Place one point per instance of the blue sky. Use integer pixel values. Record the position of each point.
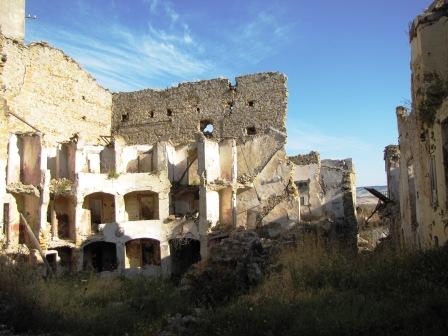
(347, 61)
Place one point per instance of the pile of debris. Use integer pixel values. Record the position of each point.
(234, 264)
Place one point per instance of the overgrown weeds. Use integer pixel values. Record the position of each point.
(312, 291)
(85, 304)
(322, 293)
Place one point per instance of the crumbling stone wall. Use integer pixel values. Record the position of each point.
(327, 191)
(423, 134)
(3, 156)
(308, 179)
(306, 159)
(254, 105)
(51, 92)
(390, 213)
(392, 162)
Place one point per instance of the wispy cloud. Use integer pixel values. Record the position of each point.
(261, 36)
(153, 4)
(122, 59)
(130, 62)
(164, 49)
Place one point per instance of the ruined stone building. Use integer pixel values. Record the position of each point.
(139, 181)
(327, 190)
(417, 171)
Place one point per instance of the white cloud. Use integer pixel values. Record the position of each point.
(125, 60)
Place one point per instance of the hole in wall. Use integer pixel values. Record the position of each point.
(198, 109)
(169, 112)
(151, 114)
(207, 127)
(251, 130)
(251, 103)
(84, 118)
(125, 117)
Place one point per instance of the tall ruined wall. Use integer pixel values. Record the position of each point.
(423, 133)
(3, 157)
(429, 40)
(390, 213)
(255, 104)
(52, 92)
(338, 179)
(392, 166)
(12, 18)
(308, 180)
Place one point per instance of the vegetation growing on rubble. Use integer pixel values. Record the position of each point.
(112, 174)
(60, 186)
(435, 92)
(322, 294)
(310, 292)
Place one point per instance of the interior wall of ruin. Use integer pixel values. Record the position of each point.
(183, 164)
(257, 102)
(327, 189)
(226, 159)
(30, 154)
(336, 181)
(141, 206)
(226, 206)
(307, 177)
(64, 212)
(267, 192)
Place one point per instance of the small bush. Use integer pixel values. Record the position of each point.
(434, 94)
(112, 174)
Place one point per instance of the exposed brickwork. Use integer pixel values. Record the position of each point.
(255, 104)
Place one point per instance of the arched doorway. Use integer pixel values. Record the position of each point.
(100, 256)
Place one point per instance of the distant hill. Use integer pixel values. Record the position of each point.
(364, 197)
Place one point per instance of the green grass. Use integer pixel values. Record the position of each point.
(312, 292)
